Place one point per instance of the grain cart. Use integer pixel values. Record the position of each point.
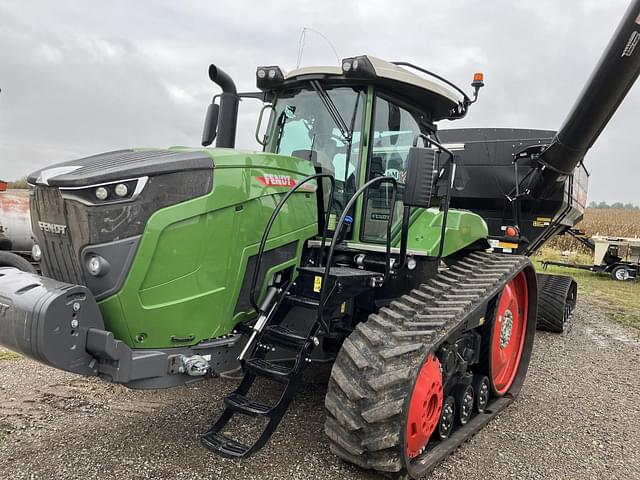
(530, 185)
(336, 243)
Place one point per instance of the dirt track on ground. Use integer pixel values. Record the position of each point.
(578, 417)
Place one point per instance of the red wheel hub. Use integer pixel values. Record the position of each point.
(509, 331)
(425, 406)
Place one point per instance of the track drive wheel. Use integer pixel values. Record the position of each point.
(425, 407)
(508, 334)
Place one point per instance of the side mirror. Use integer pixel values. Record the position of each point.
(263, 139)
(210, 124)
(421, 177)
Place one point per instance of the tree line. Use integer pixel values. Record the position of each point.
(617, 205)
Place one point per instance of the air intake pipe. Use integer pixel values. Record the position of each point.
(615, 74)
(229, 100)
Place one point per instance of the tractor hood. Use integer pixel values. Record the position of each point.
(120, 165)
(99, 206)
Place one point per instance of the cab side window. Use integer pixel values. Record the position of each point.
(394, 129)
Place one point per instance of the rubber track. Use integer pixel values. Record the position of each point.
(374, 371)
(553, 293)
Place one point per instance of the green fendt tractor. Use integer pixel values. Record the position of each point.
(336, 244)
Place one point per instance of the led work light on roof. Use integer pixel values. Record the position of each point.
(360, 66)
(268, 77)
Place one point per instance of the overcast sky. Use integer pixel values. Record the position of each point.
(83, 77)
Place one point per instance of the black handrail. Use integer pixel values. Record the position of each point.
(336, 234)
(450, 180)
(272, 219)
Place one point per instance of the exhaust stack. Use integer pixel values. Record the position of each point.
(605, 90)
(229, 100)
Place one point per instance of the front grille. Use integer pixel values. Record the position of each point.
(101, 224)
(59, 257)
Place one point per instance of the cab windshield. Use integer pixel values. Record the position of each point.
(301, 120)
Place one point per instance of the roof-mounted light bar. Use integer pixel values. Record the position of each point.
(358, 66)
(269, 77)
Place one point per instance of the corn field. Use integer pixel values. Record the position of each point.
(612, 222)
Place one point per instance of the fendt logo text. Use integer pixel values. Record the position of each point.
(52, 228)
(276, 180)
(631, 44)
(282, 181)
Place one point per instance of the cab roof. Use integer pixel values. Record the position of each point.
(433, 98)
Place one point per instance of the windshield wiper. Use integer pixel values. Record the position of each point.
(333, 110)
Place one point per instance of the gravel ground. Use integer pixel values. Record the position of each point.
(578, 417)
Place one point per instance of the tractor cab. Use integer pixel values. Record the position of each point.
(359, 122)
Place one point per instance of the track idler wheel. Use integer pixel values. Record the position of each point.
(508, 334)
(447, 418)
(465, 400)
(482, 389)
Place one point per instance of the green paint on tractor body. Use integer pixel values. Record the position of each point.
(188, 272)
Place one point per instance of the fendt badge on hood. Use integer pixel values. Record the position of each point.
(52, 228)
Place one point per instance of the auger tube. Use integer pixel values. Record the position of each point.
(605, 90)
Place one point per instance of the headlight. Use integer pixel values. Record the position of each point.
(106, 193)
(121, 190)
(36, 252)
(102, 193)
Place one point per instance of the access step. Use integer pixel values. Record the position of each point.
(285, 337)
(304, 302)
(223, 445)
(264, 368)
(241, 404)
(340, 272)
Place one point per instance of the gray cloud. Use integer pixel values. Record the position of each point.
(83, 77)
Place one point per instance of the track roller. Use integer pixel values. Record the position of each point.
(482, 389)
(465, 400)
(447, 418)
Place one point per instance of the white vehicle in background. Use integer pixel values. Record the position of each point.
(16, 238)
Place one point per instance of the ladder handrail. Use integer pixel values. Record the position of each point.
(272, 219)
(336, 234)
